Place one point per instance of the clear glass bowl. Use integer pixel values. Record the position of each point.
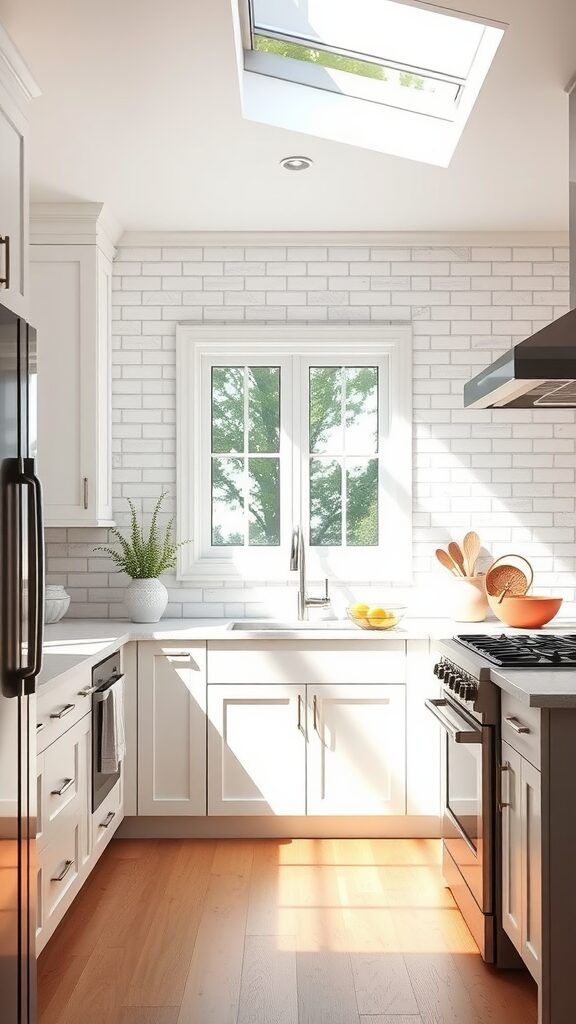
(393, 613)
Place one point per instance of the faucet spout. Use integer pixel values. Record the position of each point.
(298, 564)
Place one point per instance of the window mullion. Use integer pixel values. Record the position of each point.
(246, 478)
(343, 484)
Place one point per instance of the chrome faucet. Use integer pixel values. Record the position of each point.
(298, 564)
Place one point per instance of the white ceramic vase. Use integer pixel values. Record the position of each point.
(56, 603)
(146, 600)
(468, 601)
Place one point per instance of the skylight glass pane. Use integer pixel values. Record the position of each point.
(382, 29)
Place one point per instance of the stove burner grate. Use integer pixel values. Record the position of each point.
(530, 651)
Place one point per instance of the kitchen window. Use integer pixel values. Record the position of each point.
(279, 427)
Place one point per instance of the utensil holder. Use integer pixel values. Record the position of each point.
(467, 598)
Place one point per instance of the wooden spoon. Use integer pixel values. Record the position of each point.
(471, 549)
(447, 561)
(455, 553)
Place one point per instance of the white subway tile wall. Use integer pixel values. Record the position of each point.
(509, 474)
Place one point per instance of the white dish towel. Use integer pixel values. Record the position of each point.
(113, 741)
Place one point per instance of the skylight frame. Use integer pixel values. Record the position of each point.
(362, 111)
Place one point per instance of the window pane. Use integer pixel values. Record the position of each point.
(362, 409)
(227, 501)
(389, 31)
(362, 502)
(325, 502)
(264, 524)
(264, 408)
(227, 409)
(325, 409)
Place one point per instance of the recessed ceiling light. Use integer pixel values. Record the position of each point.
(296, 163)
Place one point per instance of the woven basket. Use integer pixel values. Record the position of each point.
(504, 579)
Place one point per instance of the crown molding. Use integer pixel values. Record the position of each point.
(347, 238)
(74, 224)
(14, 71)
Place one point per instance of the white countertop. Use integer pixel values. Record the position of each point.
(72, 643)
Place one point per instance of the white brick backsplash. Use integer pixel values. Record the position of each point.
(508, 473)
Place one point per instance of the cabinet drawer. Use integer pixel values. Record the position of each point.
(106, 818)
(60, 867)
(63, 779)
(521, 728)
(306, 661)
(61, 706)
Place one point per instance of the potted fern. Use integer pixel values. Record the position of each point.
(144, 559)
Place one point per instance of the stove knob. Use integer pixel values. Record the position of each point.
(466, 691)
(441, 671)
(436, 668)
(458, 686)
(451, 680)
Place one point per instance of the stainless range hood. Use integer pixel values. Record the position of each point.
(539, 372)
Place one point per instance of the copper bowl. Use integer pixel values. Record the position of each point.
(525, 611)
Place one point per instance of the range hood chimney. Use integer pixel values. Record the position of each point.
(539, 372)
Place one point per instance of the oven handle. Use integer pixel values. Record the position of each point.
(100, 693)
(466, 735)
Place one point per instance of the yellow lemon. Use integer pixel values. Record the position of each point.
(376, 613)
(358, 610)
(380, 618)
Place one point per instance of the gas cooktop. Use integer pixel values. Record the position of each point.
(531, 651)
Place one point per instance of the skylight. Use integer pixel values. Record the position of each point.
(403, 55)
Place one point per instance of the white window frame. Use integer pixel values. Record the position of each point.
(200, 347)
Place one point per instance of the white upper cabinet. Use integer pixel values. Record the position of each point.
(71, 290)
(357, 749)
(17, 88)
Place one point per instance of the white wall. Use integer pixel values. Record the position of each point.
(509, 474)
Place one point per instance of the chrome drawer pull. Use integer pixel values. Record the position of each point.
(63, 788)
(86, 691)
(64, 711)
(505, 767)
(59, 878)
(516, 725)
(108, 819)
(40, 726)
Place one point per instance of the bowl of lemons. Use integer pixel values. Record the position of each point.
(376, 616)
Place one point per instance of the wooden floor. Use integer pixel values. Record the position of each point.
(272, 932)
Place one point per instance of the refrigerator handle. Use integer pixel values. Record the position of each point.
(28, 672)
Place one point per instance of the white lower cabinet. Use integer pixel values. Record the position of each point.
(257, 749)
(63, 836)
(171, 729)
(521, 857)
(356, 749)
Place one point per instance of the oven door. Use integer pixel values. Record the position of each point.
(468, 798)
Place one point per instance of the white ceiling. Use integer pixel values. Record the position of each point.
(140, 110)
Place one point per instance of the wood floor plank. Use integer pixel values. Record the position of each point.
(441, 994)
(148, 1015)
(393, 1019)
(499, 995)
(382, 984)
(156, 972)
(270, 906)
(97, 996)
(269, 989)
(212, 989)
(326, 992)
(57, 979)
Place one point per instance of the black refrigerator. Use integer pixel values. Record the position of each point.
(21, 628)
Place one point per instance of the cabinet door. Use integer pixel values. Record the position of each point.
(257, 749)
(357, 749)
(171, 728)
(70, 308)
(13, 207)
(530, 801)
(511, 781)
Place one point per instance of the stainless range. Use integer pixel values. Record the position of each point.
(469, 713)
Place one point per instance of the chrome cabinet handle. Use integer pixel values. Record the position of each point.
(315, 712)
(59, 878)
(85, 491)
(63, 788)
(63, 711)
(517, 726)
(300, 712)
(86, 691)
(506, 767)
(108, 819)
(5, 241)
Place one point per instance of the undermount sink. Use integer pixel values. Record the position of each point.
(270, 626)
